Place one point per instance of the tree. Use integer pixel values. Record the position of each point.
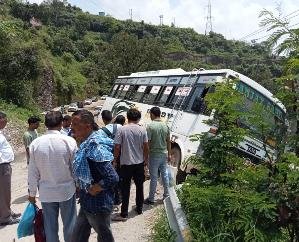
(288, 83)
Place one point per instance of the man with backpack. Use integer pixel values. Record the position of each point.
(110, 128)
(109, 131)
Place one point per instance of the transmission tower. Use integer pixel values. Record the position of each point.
(209, 27)
(131, 13)
(161, 19)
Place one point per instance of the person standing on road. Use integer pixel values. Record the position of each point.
(66, 125)
(159, 153)
(50, 170)
(131, 144)
(7, 217)
(120, 119)
(95, 177)
(109, 130)
(31, 134)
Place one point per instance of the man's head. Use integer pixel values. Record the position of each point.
(66, 121)
(120, 119)
(83, 124)
(106, 116)
(53, 120)
(133, 115)
(33, 122)
(3, 120)
(155, 112)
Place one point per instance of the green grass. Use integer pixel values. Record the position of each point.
(161, 231)
(17, 114)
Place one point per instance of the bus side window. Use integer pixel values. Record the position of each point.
(146, 94)
(152, 95)
(119, 91)
(199, 104)
(124, 92)
(139, 94)
(130, 92)
(114, 90)
(133, 93)
(165, 96)
(169, 102)
(159, 95)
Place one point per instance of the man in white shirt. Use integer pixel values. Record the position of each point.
(50, 170)
(7, 217)
(66, 125)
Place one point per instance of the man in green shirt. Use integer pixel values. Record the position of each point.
(30, 134)
(159, 153)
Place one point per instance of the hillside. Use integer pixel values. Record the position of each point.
(54, 53)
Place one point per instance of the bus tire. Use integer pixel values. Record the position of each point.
(176, 158)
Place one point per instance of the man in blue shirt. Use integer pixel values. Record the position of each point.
(109, 130)
(95, 177)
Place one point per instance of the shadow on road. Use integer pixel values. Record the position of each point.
(20, 200)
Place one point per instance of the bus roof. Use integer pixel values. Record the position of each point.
(227, 72)
(169, 72)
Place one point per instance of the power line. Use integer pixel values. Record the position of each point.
(271, 34)
(265, 27)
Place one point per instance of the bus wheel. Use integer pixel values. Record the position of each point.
(175, 160)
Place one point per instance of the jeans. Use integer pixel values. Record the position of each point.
(100, 222)
(156, 164)
(68, 214)
(127, 172)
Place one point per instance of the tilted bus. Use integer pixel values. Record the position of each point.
(180, 95)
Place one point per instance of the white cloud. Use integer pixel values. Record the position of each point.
(232, 18)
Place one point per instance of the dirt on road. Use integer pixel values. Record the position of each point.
(136, 229)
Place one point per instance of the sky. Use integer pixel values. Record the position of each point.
(235, 19)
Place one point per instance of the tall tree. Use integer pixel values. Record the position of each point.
(285, 39)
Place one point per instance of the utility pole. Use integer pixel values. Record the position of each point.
(131, 13)
(161, 19)
(209, 27)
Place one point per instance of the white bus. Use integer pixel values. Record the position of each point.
(180, 95)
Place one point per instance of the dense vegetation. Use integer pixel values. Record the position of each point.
(232, 199)
(53, 53)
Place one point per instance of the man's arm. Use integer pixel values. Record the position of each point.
(116, 154)
(146, 137)
(168, 147)
(145, 153)
(109, 177)
(33, 179)
(26, 142)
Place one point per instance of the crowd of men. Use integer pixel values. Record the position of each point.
(77, 159)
